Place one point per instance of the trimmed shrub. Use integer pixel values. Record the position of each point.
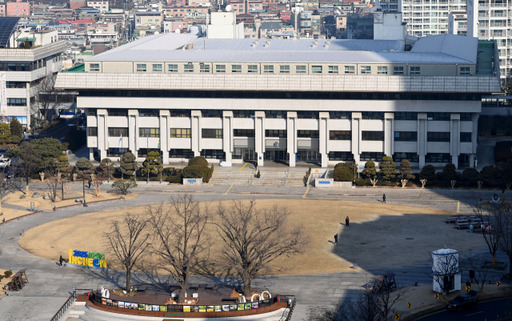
(449, 172)
(198, 161)
(343, 174)
(428, 172)
(469, 177)
(362, 182)
(195, 171)
(8, 274)
(369, 171)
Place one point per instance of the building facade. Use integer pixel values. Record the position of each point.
(25, 61)
(300, 100)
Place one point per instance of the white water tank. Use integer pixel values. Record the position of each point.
(445, 270)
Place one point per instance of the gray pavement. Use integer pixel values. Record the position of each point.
(49, 284)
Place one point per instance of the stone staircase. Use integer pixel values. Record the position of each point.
(269, 176)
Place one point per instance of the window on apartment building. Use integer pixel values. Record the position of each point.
(284, 69)
(414, 70)
(172, 68)
(188, 67)
(92, 131)
(149, 113)
(157, 68)
(411, 157)
(398, 70)
(307, 133)
(438, 116)
(275, 114)
(180, 133)
(372, 135)
(371, 156)
(243, 113)
(236, 68)
(372, 115)
(243, 132)
(307, 114)
(181, 153)
(340, 135)
(275, 133)
(268, 69)
(204, 68)
(333, 69)
(220, 68)
(438, 158)
(252, 68)
(180, 113)
(116, 152)
(16, 101)
(464, 71)
(211, 133)
(406, 136)
(350, 69)
(366, 69)
(466, 116)
(142, 68)
(211, 113)
(213, 153)
(465, 137)
(301, 69)
(342, 156)
(117, 112)
(316, 69)
(118, 132)
(94, 67)
(438, 136)
(149, 132)
(406, 116)
(382, 70)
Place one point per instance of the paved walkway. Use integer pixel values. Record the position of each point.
(49, 284)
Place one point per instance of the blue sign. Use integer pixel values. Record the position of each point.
(324, 182)
(192, 180)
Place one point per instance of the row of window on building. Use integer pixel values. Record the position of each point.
(282, 69)
(405, 136)
(333, 156)
(213, 113)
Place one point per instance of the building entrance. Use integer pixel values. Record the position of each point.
(278, 156)
(309, 156)
(248, 155)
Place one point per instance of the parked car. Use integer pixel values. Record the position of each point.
(464, 301)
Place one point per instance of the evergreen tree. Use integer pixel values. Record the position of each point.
(128, 164)
(63, 165)
(369, 171)
(387, 169)
(428, 172)
(405, 170)
(449, 172)
(152, 164)
(16, 131)
(5, 133)
(84, 166)
(106, 168)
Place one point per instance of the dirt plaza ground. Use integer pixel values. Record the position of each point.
(380, 236)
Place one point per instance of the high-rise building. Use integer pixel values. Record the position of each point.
(492, 20)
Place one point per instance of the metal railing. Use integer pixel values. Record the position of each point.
(60, 313)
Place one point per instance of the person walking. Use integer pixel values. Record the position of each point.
(383, 198)
(347, 221)
(336, 239)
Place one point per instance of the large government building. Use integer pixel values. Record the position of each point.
(292, 101)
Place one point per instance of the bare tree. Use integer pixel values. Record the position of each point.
(53, 183)
(128, 240)
(47, 98)
(253, 238)
(503, 225)
(490, 234)
(180, 238)
(480, 271)
(97, 183)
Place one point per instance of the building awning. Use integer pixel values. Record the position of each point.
(25, 39)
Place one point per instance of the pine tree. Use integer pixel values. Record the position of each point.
(5, 133)
(369, 171)
(387, 169)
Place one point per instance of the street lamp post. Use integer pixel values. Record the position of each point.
(83, 189)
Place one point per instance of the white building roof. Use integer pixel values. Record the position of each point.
(171, 47)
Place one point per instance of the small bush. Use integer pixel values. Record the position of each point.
(8, 274)
(198, 161)
(175, 179)
(195, 171)
(343, 174)
(362, 182)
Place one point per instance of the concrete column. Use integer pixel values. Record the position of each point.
(422, 138)
(259, 136)
(474, 141)
(323, 137)
(102, 121)
(165, 135)
(356, 136)
(133, 131)
(389, 134)
(196, 131)
(291, 137)
(455, 138)
(227, 134)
